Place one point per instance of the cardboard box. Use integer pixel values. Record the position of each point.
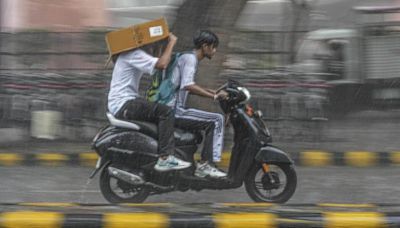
(136, 36)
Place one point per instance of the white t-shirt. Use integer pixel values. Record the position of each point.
(183, 74)
(128, 71)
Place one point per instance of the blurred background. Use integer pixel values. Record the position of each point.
(325, 73)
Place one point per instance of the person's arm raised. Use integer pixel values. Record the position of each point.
(165, 58)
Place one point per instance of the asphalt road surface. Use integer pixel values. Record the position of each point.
(315, 185)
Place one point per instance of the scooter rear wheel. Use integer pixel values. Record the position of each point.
(117, 191)
(275, 186)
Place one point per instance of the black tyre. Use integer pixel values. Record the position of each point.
(117, 191)
(276, 186)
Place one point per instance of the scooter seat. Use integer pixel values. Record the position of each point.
(151, 129)
(181, 137)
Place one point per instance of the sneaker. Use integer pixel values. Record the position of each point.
(171, 163)
(205, 169)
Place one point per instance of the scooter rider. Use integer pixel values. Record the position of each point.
(124, 101)
(205, 45)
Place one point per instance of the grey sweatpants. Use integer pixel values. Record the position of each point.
(215, 121)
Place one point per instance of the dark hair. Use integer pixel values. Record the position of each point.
(205, 37)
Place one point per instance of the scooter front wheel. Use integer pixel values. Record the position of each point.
(118, 191)
(273, 183)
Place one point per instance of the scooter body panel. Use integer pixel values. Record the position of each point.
(124, 139)
(271, 154)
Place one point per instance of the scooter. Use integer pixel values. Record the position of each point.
(128, 152)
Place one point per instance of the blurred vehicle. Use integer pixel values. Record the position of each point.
(128, 152)
(361, 64)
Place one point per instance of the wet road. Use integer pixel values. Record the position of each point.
(315, 185)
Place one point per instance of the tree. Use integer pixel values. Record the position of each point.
(300, 11)
(217, 15)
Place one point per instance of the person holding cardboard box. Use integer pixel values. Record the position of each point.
(205, 46)
(124, 101)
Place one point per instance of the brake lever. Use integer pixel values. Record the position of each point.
(231, 93)
(221, 87)
(230, 90)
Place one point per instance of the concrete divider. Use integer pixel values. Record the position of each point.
(220, 215)
(314, 158)
(347, 158)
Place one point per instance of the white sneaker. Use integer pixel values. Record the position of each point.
(171, 163)
(205, 169)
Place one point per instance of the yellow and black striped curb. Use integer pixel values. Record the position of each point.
(216, 215)
(320, 158)
(48, 159)
(315, 158)
(28, 219)
(205, 207)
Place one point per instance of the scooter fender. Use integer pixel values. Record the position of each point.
(270, 154)
(101, 163)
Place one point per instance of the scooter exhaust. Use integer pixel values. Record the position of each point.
(134, 179)
(125, 176)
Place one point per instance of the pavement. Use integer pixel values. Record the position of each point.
(39, 193)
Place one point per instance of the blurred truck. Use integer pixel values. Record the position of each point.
(362, 65)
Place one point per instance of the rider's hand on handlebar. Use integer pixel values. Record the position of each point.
(221, 95)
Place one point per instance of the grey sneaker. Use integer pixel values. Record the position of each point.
(205, 169)
(171, 163)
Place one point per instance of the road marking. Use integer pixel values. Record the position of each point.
(9, 159)
(144, 220)
(225, 220)
(395, 157)
(88, 159)
(52, 159)
(28, 219)
(225, 159)
(316, 158)
(354, 219)
(361, 158)
(284, 218)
